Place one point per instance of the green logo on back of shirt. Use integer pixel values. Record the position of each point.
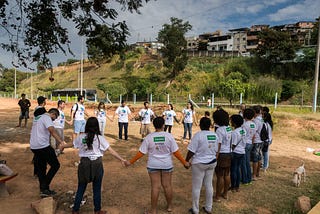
(211, 137)
(228, 129)
(84, 140)
(242, 132)
(159, 139)
(252, 126)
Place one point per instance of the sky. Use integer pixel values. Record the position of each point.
(204, 16)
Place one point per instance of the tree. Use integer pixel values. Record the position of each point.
(276, 46)
(174, 51)
(35, 29)
(104, 42)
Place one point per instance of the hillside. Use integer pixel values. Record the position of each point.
(143, 74)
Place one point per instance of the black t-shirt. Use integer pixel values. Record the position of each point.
(24, 104)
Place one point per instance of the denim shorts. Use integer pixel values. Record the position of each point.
(153, 170)
(79, 126)
(256, 152)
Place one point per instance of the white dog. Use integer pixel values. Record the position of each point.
(299, 175)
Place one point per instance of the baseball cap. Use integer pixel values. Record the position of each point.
(41, 99)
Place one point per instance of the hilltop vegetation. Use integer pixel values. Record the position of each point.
(141, 73)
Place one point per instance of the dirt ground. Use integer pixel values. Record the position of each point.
(127, 190)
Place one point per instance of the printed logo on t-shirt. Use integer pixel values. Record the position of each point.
(211, 138)
(252, 126)
(228, 129)
(242, 132)
(159, 139)
(84, 140)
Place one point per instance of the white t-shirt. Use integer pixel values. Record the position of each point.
(146, 115)
(40, 135)
(269, 129)
(169, 114)
(59, 122)
(99, 146)
(224, 135)
(204, 145)
(101, 115)
(159, 146)
(238, 139)
(188, 115)
(80, 111)
(259, 122)
(250, 128)
(123, 113)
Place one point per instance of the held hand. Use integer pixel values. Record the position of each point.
(127, 163)
(187, 165)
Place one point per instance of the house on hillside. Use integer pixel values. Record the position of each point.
(252, 36)
(192, 43)
(220, 43)
(239, 39)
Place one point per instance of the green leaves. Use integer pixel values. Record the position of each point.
(174, 50)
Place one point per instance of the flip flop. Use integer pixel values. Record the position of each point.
(204, 210)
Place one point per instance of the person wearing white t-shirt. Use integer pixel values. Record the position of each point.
(238, 142)
(146, 115)
(159, 146)
(59, 124)
(221, 118)
(250, 128)
(189, 116)
(265, 151)
(169, 115)
(123, 112)
(78, 113)
(91, 146)
(101, 114)
(42, 128)
(202, 149)
(257, 143)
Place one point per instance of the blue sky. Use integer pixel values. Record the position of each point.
(203, 15)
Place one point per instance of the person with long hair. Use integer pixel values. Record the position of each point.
(101, 114)
(91, 145)
(265, 152)
(159, 146)
(189, 116)
(169, 114)
(223, 130)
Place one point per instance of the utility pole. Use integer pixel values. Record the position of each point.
(81, 69)
(316, 74)
(15, 82)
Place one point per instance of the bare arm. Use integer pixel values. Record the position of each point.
(57, 137)
(116, 155)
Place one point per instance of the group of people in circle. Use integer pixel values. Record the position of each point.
(225, 151)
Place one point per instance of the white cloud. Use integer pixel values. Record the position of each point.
(306, 10)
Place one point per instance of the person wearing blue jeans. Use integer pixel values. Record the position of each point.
(187, 127)
(245, 165)
(123, 126)
(189, 115)
(250, 128)
(92, 146)
(238, 143)
(96, 189)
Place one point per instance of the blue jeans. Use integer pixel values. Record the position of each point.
(265, 159)
(245, 167)
(237, 159)
(96, 187)
(187, 127)
(121, 127)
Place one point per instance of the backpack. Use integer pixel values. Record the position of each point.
(264, 136)
(75, 110)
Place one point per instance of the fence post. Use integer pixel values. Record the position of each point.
(151, 99)
(120, 98)
(168, 98)
(212, 100)
(67, 98)
(134, 98)
(240, 98)
(95, 97)
(276, 100)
